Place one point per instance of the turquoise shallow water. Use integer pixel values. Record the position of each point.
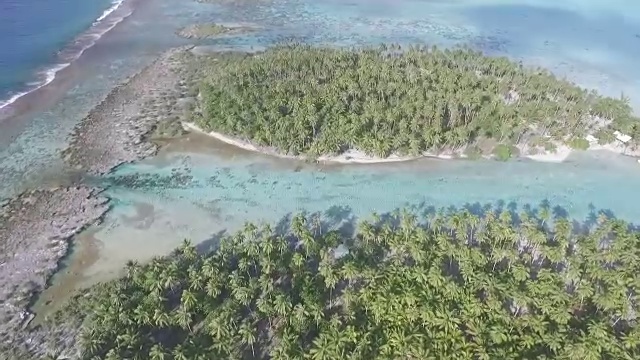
(181, 194)
(199, 196)
(593, 43)
(30, 155)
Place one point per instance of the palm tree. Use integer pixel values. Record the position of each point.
(161, 319)
(179, 353)
(158, 352)
(381, 103)
(248, 337)
(461, 286)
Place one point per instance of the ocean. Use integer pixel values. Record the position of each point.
(41, 37)
(593, 43)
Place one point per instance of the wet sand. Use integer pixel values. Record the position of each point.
(352, 156)
(84, 252)
(38, 226)
(202, 144)
(358, 157)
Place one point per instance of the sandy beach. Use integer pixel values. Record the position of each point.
(353, 156)
(36, 228)
(563, 152)
(117, 131)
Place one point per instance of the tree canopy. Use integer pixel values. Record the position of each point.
(458, 286)
(304, 99)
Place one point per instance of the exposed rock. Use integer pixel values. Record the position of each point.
(35, 228)
(113, 132)
(168, 128)
(205, 31)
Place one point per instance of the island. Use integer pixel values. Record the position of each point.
(205, 31)
(468, 284)
(458, 285)
(404, 102)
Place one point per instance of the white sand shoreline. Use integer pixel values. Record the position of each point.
(561, 154)
(349, 157)
(352, 156)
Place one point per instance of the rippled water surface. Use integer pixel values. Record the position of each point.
(199, 189)
(32, 32)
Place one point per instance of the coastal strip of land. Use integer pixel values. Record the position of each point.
(353, 156)
(348, 157)
(114, 131)
(155, 102)
(38, 226)
(210, 30)
(395, 103)
(35, 229)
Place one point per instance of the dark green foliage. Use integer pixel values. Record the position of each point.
(301, 99)
(502, 152)
(461, 287)
(579, 144)
(605, 136)
(473, 152)
(549, 146)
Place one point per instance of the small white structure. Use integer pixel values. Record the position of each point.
(622, 137)
(591, 139)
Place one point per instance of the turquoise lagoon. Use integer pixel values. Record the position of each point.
(201, 189)
(203, 192)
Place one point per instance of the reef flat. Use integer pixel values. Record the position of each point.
(35, 229)
(113, 133)
(206, 31)
(37, 226)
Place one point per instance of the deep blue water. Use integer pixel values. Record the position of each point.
(32, 32)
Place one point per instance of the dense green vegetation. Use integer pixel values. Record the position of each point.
(302, 99)
(460, 286)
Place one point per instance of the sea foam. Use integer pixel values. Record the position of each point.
(103, 24)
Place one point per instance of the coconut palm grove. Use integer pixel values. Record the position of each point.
(451, 285)
(309, 100)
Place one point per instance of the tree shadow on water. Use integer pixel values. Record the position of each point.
(343, 220)
(211, 243)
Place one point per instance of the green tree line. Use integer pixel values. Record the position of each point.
(307, 100)
(455, 286)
